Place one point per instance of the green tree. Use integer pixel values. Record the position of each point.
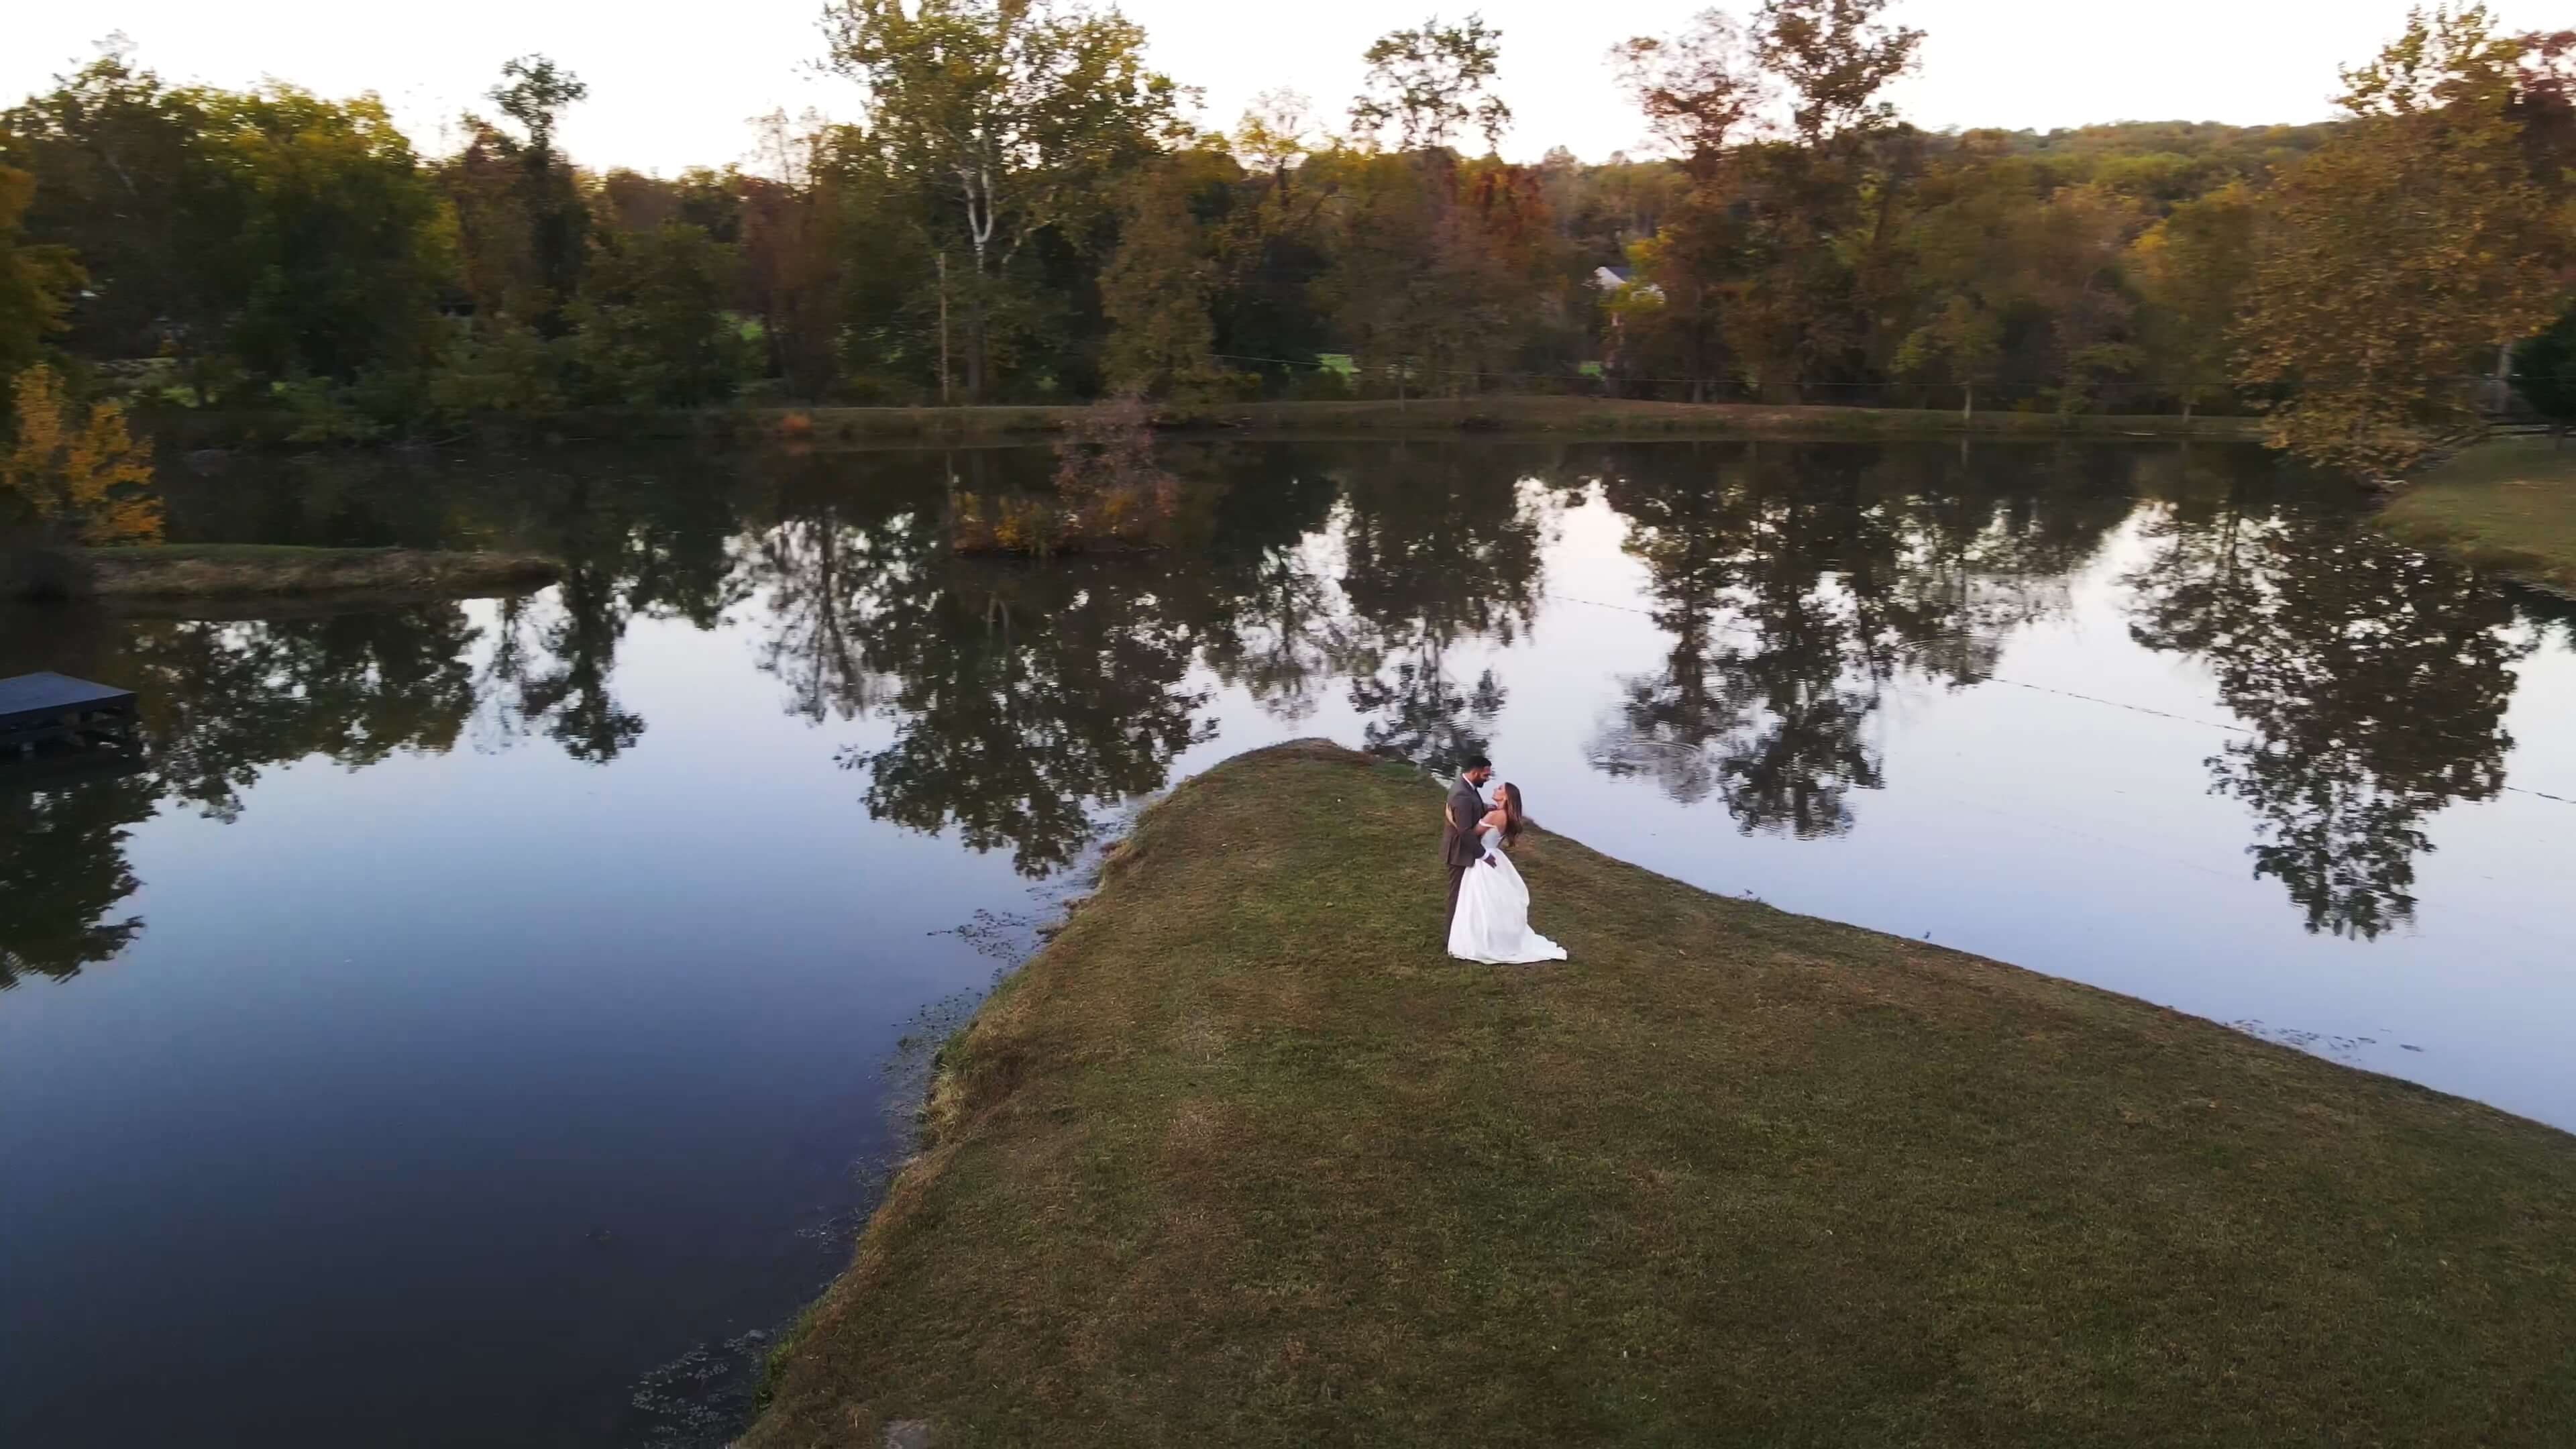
(2191, 270)
(35, 281)
(652, 329)
(2544, 370)
(344, 244)
(1157, 286)
(522, 223)
(1430, 82)
(124, 179)
(1004, 121)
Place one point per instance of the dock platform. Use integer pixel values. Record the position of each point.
(40, 709)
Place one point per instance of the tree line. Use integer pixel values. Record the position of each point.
(1026, 213)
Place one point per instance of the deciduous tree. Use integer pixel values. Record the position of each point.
(74, 470)
(35, 281)
(1007, 120)
(2401, 254)
(1431, 82)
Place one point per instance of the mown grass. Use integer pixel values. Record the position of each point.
(1243, 1158)
(2507, 504)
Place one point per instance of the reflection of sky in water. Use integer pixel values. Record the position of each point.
(493, 1067)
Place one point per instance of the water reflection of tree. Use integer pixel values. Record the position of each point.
(225, 699)
(651, 544)
(2373, 681)
(1023, 696)
(63, 873)
(1273, 623)
(221, 701)
(1798, 583)
(1441, 548)
(818, 573)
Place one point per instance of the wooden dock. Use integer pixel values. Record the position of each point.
(38, 709)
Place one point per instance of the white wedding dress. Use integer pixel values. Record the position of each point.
(1492, 924)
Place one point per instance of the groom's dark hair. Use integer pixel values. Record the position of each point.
(1475, 762)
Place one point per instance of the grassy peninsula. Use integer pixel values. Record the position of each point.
(2508, 504)
(166, 571)
(1242, 1157)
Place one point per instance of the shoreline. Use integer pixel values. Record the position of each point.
(144, 575)
(1234, 1157)
(1542, 416)
(2506, 504)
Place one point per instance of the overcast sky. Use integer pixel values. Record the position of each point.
(664, 96)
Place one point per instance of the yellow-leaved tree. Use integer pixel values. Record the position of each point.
(75, 472)
(2402, 254)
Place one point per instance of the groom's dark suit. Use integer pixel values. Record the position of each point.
(1461, 842)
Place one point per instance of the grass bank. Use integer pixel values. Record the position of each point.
(2508, 504)
(1242, 1158)
(193, 571)
(1509, 416)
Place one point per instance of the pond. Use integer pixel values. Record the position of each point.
(487, 1022)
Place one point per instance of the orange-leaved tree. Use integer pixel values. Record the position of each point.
(76, 472)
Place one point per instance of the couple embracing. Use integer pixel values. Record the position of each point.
(1488, 903)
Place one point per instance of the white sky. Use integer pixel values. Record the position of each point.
(665, 96)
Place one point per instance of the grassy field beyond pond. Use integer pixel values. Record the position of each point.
(2508, 504)
(1243, 1158)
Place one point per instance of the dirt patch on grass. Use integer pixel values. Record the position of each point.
(1237, 1165)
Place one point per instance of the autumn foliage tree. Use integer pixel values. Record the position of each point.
(2404, 253)
(1109, 491)
(72, 472)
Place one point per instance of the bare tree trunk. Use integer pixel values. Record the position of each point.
(943, 329)
(1968, 411)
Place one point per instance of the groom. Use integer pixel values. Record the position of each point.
(1460, 846)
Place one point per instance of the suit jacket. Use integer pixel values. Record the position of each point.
(1461, 843)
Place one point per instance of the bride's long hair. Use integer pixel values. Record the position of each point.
(1513, 819)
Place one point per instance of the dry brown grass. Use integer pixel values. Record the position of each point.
(1243, 1158)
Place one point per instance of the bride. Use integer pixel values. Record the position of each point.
(1492, 923)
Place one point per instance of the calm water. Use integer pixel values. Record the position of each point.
(474, 1023)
